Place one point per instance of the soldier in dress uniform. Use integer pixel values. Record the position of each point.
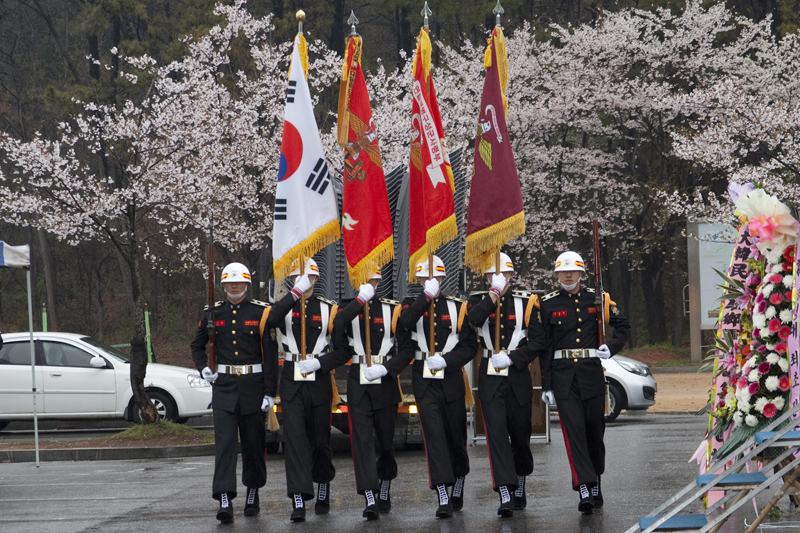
(306, 405)
(438, 383)
(572, 372)
(372, 407)
(244, 387)
(506, 396)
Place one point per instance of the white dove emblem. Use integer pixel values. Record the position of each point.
(348, 222)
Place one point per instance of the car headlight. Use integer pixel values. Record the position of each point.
(197, 382)
(635, 368)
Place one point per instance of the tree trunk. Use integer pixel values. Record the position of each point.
(653, 288)
(626, 281)
(51, 291)
(677, 295)
(337, 28)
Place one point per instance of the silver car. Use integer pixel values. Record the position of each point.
(631, 385)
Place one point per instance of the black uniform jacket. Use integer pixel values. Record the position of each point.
(239, 342)
(321, 388)
(570, 321)
(387, 392)
(481, 309)
(463, 353)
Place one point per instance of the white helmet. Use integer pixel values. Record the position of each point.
(311, 268)
(376, 274)
(569, 261)
(235, 273)
(505, 264)
(438, 268)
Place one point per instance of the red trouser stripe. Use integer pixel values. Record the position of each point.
(569, 454)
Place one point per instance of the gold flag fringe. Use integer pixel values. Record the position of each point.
(414, 259)
(362, 272)
(349, 68)
(312, 244)
(482, 246)
(425, 48)
(336, 400)
(502, 61)
(302, 47)
(469, 399)
(443, 232)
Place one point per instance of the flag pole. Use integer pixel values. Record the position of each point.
(498, 10)
(33, 368)
(301, 17)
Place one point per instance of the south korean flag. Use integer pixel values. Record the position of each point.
(306, 216)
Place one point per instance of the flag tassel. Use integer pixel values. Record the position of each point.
(480, 246)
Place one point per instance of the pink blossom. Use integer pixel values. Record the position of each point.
(763, 368)
(754, 388)
(784, 332)
(775, 278)
(770, 410)
(788, 296)
(762, 348)
(759, 298)
(776, 298)
(762, 306)
(729, 363)
(756, 333)
(774, 325)
(784, 383)
(742, 383)
(781, 347)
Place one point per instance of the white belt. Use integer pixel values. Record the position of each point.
(295, 357)
(376, 359)
(420, 356)
(578, 353)
(239, 370)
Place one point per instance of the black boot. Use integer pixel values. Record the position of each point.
(597, 495)
(520, 500)
(225, 513)
(371, 512)
(506, 508)
(445, 509)
(458, 494)
(298, 508)
(384, 499)
(585, 506)
(323, 504)
(252, 506)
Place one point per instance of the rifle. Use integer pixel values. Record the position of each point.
(212, 332)
(598, 279)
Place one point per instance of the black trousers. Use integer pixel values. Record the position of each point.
(583, 424)
(508, 436)
(369, 428)
(228, 429)
(444, 431)
(306, 443)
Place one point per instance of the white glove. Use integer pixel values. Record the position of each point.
(603, 352)
(267, 404)
(436, 362)
(499, 283)
(301, 286)
(374, 372)
(501, 360)
(548, 397)
(365, 293)
(208, 375)
(431, 288)
(309, 366)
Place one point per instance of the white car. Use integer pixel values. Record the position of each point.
(631, 385)
(78, 377)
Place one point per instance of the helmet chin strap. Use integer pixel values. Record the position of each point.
(569, 287)
(236, 296)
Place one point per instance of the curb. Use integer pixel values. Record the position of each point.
(677, 370)
(105, 454)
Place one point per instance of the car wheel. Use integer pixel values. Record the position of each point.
(615, 400)
(164, 405)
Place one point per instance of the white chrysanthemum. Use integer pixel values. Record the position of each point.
(783, 364)
(773, 256)
(743, 400)
(760, 403)
(786, 316)
(759, 321)
(772, 358)
(770, 346)
(771, 312)
(751, 421)
(744, 407)
(787, 281)
(771, 383)
(738, 418)
(777, 268)
(779, 402)
(767, 289)
(729, 398)
(754, 375)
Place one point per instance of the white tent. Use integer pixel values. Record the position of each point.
(20, 257)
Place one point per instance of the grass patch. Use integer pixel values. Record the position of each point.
(160, 430)
(664, 346)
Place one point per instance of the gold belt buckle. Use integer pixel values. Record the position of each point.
(238, 370)
(576, 353)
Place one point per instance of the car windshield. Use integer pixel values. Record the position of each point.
(125, 358)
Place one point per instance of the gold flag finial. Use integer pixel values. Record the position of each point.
(301, 18)
(426, 11)
(352, 21)
(498, 10)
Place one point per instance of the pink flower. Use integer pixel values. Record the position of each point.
(784, 383)
(742, 383)
(784, 332)
(787, 267)
(762, 306)
(763, 368)
(759, 298)
(781, 347)
(775, 278)
(788, 296)
(776, 298)
(770, 410)
(774, 325)
(762, 348)
(756, 333)
(729, 363)
(754, 388)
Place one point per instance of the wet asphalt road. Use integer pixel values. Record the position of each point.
(646, 463)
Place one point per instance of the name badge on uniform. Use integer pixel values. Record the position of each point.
(431, 374)
(492, 371)
(376, 360)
